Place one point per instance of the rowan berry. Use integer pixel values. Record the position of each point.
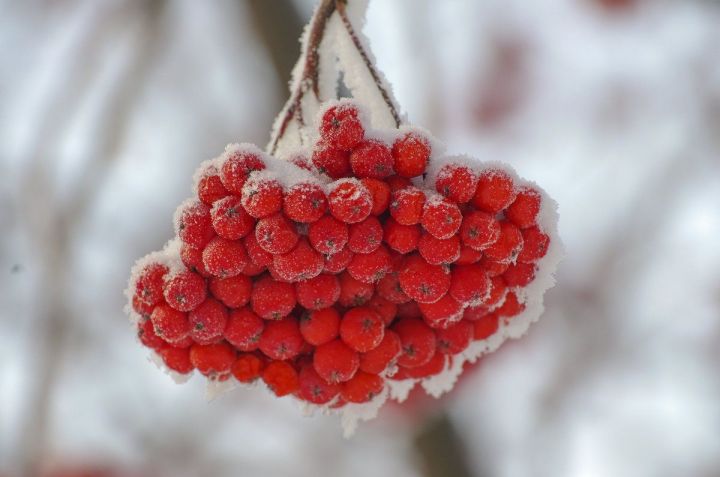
(469, 284)
(535, 245)
(390, 289)
(486, 326)
(315, 389)
(363, 387)
(247, 367)
(336, 362)
(474, 313)
(443, 313)
(234, 292)
(383, 355)
(147, 336)
(524, 210)
(281, 339)
(320, 326)
(331, 161)
(210, 187)
(508, 245)
(437, 251)
(208, 321)
(328, 235)
(493, 268)
(371, 158)
(301, 263)
(305, 202)
(194, 225)
(406, 205)
(261, 195)
(281, 377)
(318, 292)
(272, 299)
(479, 230)
(184, 290)
(455, 338)
(341, 127)
(385, 308)
(237, 167)
(435, 365)
(411, 154)
(354, 292)
(225, 258)
(350, 201)
(176, 359)
(243, 329)
(457, 182)
(380, 193)
(495, 191)
(441, 218)
(337, 262)
(370, 267)
(519, 274)
(397, 183)
(423, 282)
(365, 236)
(276, 234)
(149, 283)
(418, 342)
(212, 360)
(192, 258)
(468, 255)
(497, 291)
(511, 306)
(362, 329)
(410, 309)
(401, 238)
(258, 255)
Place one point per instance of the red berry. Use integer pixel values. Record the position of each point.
(335, 362)
(507, 247)
(341, 127)
(300, 160)
(493, 268)
(194, 225)
(380, 192)
(176, 359)
(401, 238)
(397, 183)
(423, 282)
(281, 378)
(208, 321)
(495, 191)
(435, 365)
(243, 329)
(328, 235)
(320, 326)
(331, 161)
(272, 299)
(406, 205)
(210, 187)
(213, 359)
(441, 218)
(468, 255)
(456, 182)
(436, 251)
(149, 283)
(261, 195)
(276, 234)
(417, 341)
(192, 259)
(470, 284)
(411, 154)
(385, 308)
(305, 202)
(519, 275)
(362, 387)
(234, 292)
(362, 329)
(318, 292)
(511, 306)
(371, 158)
(229, 218)
(379, 358)
(237, 167)
(183, 343)
(148, 337)
(485, 327)
(337, 262)
(497, 291)
(408, 310)
(474, 313)
(479, 230)
(365, 236)
(535, 245)
(300, 263)
(455, 338)
(524, 210)
(247, 368)
(389, 288)
(442, 313)
(354, 292)
(281, 339)
(225, 258)
(141, 308)
(258, 255)
(370, 267)
(315, 389)
(350, 201)
(185, 290)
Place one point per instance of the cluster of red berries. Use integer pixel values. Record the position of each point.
(340, 271)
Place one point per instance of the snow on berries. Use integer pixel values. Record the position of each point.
(365, 261)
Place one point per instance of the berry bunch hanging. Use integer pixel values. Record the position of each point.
(346, 270)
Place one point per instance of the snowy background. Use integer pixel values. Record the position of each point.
(613, 106)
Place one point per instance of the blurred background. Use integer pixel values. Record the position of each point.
(613, 106)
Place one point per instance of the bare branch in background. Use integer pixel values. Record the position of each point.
(441, 449)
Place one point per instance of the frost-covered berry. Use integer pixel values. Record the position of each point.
(439, 251)
(337, 262)
(320, 326)
(224, 258)
(519, 274)
(498, 288)
(442, 313)
(341, 127)
(524, 210)
(149, 283)
(335, 362)
(318, 292)
(331, 161)
(396, 183)
(272, 299)
(495, 191)
(301, 263)
(208, 321)
(508, 245)
(185, 290)
(229, 218)
(469, 284)
(237, 167)
(493, 268)
(371, 158)
(315, 389)
(441, 218)
(261, 196)
(194, 224)
(389, 288)
(328, 235)
(276, 234)
(511, 306)
(281, 377)
(147, 336)
(380, 192)
(479, 230)
(350, 201)
(401, 238)
(385, 308)
(362, 329)
(468, 255)
(406, 205)
(192, 258)
(365, 236)
(370, 267)
(417, 340)
(475, 312)
(535, 245)
(281, 339)
(304, 202)
(176, 359)
(247, 368)
(455, 338)
(362, 387)
(383, 355)
(408, 310)
(212, 360)
(354, 292)
(423, 282)
(258, 255)
(435, 365)
(411, 154)
(233, 292)
(243, 329)
(210, 187)
(457, 182)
